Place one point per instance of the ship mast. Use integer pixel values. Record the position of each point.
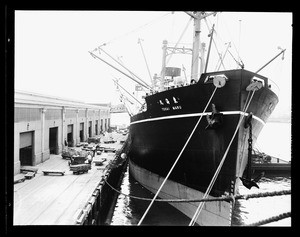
(198, 16)
(163, 71)
(196, 46)
(195, 51)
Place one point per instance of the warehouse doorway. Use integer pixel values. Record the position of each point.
(96, 127)
(90, 128)
(70, 135)
(53, 140)
(26, 148)
(81, 132)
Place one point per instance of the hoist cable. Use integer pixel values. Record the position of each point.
(187, 141)
(199, 209)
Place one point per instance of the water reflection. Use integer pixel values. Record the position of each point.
(257, 209)
(129, 211)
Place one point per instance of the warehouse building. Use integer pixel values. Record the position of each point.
(43, 123)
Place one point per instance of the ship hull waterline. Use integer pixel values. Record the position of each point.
(158, 134)
(213, 213)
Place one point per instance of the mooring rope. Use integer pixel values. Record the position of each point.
(224, 198)
(212, 182)
(187, 141)
(271, 219)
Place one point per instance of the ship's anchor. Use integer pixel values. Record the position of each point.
(248, 182)
(215, 119)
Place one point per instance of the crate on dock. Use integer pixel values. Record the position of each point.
(82, 144)
(108, 140)
(26, 169)
(76, 160)
(98, 152)
(67, 153)
(81, 168)
(29, 175)
(53, 172)
(94, 139)
(99, 160)
(109, 149)
(100, 148)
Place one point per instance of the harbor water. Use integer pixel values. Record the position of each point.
(128, 210)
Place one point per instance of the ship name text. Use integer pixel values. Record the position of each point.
(176, 107)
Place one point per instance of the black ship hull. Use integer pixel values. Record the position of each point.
(158, 135)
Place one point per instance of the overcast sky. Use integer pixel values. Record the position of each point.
(52, 58)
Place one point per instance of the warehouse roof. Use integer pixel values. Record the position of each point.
(32, 98)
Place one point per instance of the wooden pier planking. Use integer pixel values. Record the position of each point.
(80, 201)
(28, 188)
(46, 203)
(75, 196)
(31, 207)
(57, 199)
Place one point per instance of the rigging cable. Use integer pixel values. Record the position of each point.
(240, 62)
(209, 47)
(118, 84)
(189, 138)
(140, 43)
(277, 70)
(199, 209)
(143, 82)
(240, 28)
(221, 60)
(97, 57)
(120, 60)
(214, 31)
(281, 52)
(237, 62)
(135, 30)
(183, 32)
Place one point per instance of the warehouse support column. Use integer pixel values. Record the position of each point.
(100, 126)
(86, 125)
(77, 129)
(94, 126)
(43, 111)
(63, 137)
(99, 123)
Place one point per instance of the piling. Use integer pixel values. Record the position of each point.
(99, 209)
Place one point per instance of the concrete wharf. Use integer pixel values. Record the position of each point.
(67, 199)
